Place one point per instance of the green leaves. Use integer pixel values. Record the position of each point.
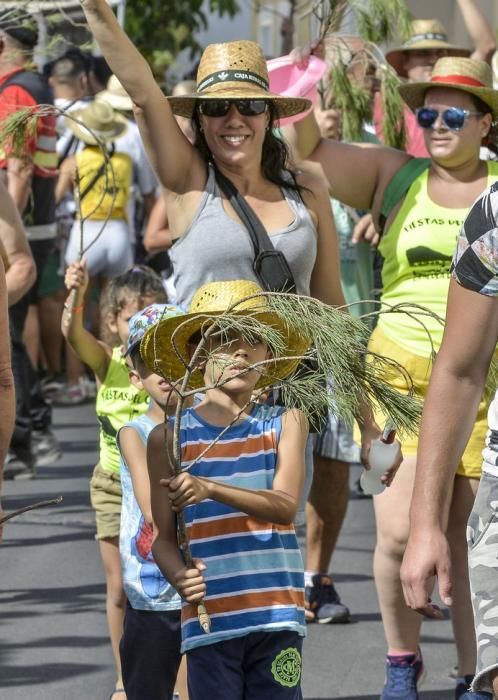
(163, 28)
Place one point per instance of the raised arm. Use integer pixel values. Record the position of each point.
(170, 153)
(356, 174)
(450, 409)
(91, 351)
(480, 32)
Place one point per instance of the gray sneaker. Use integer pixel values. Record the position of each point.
(19, 465)
(322, 602)
(46, 447)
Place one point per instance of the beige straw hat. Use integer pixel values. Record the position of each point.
(464, 74)
(164, 356)
(235, 70)
(105, 123)
(424, 34)
(116, 95)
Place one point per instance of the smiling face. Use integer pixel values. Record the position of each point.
(454, 148)
(235, 139)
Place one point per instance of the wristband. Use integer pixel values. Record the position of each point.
(75, 309)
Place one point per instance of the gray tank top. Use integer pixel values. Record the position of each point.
(215, 247)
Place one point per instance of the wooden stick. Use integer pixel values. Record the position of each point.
(39, 504)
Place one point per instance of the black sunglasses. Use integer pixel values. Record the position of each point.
(220, 108)
(453, 117)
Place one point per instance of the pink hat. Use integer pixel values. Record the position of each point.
(289, 79)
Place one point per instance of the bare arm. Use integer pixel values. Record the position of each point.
(7, 396)
(91, 351)
(21, 272)
(450, 409)
(19, 174)
(188, 582)
(326, 276)
(277, 505)
(66, 178)
(480, 32)
(157, 235)
(355, 174)
(134, 453)
(170, 153)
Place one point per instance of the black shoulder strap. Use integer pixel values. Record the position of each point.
(270, 265)
(98, 174)
(399, 185)
(259, 236)
(33, 83)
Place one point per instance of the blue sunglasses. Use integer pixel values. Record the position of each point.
(454, 117)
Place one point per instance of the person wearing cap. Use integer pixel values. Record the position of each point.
(415, 58)
(103, 191)
(239, 499)
(30, 179)
(456, 108)
(150, 645)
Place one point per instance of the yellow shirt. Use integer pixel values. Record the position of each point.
(98, 203)
(418, 249)
(118, 402)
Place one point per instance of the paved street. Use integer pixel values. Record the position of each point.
(53, 639)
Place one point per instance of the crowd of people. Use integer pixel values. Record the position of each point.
(119, 232)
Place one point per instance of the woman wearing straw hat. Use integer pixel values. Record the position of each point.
(232, 111)
(102, 189)
(455, 108)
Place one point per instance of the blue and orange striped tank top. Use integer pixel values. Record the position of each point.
(254, 574)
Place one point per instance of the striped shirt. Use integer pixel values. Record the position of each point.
(254, 574)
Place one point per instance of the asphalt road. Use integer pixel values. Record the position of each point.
(53, 637)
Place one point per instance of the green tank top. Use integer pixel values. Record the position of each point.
(418, 249)
(118, 402)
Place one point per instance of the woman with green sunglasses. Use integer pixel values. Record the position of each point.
(456, 109)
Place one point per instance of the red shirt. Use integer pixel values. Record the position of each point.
(40, 147)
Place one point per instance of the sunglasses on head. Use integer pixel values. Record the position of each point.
(454, 117)
(220, 108)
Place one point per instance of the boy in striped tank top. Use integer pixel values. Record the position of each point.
(239, 501)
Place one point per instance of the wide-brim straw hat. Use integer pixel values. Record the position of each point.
(466, 74)
(104, 122)
(116, 95)
(424, 34)
(235, 70)
(163, 353)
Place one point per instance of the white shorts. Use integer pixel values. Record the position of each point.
(109, 254)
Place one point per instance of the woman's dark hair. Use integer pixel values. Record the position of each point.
(275, 157)
(491, 140)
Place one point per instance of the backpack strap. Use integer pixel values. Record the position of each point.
(33, 83)
(399, 185)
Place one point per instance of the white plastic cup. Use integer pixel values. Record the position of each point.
(383, 454)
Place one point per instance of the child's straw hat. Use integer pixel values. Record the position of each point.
(424, 34)
(164, 356)
(464, 74)
(105, 123)
(235, 70)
